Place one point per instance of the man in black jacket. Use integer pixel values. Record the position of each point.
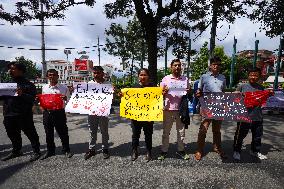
(18, 115)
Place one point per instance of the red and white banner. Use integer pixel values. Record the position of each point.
(81, 65)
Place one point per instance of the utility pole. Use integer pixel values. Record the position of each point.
(278, 62)
(166, 57)
(43, 73)
(189, 51)
(255, 52)
(233, 62)
(99, 50)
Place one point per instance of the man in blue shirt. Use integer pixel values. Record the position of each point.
(212, 82)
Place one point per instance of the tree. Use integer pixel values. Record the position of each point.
(222, 10)
(270, 14)
(32, 72)
(40, 10)
(151, 16)
(127, 43)
(31, 9)
(200, 66)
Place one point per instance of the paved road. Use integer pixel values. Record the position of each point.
(120, 172)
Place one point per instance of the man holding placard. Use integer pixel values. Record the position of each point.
(96, 121)
(174, 87)
(18, 115)
(211, 82)
(54, 115)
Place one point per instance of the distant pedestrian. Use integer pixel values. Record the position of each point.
(18, 115)
(55, 118)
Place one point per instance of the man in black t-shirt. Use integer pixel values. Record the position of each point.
(18, 115)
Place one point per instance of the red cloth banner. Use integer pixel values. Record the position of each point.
(81, 65)
(51, 101)
(256, 98)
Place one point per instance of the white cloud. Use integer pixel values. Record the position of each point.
(79, 34)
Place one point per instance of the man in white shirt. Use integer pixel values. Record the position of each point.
(55, 118)
(95, 121)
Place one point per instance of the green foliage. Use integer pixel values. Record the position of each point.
(32, 71)
(200, 65)
(126, 43)
(161, 74)
(265, 85)
(31, 9)
(270, 14)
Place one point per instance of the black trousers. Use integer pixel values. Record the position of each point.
(256, 128)
(15, 124)
(136, 131)
(56, 119)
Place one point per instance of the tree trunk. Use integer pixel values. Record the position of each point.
(152, 40)
(213, 31)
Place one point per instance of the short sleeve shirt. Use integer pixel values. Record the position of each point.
(212, 83)
(172, 102)
(254, 113)
(56, 89)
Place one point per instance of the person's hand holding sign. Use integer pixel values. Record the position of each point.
(165, 90)
(64, 97)
(19, 91)
(198, 93)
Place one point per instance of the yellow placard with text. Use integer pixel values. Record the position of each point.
(142, 104)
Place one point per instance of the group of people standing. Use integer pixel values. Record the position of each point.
(17, 111)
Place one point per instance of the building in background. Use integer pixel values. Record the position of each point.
(79, 70)
(266, 60)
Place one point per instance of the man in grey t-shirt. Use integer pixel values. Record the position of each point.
(211, 82)
(255, 115)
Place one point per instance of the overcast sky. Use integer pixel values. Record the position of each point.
(79, 34)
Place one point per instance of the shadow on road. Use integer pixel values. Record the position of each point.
(7, 172)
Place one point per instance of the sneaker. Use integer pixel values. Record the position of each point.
(68, 154)
(183, 155)
(237, 156)
(35, 156)
(258, 155)
(105, 153)
(12, 155)
(89, 154)
(162, 156)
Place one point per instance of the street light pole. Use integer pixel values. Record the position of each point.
(188, 55)
(233, 62)
(255, 53)
(44, 67)
(278, 63)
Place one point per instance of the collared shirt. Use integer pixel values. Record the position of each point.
(212, 83)
(172, 102)
(105, 82)
(56, 89)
